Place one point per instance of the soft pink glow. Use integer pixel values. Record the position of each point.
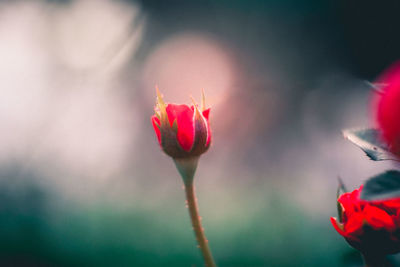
(187, 63)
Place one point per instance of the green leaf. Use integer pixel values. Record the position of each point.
(383, 186)
(369, 141)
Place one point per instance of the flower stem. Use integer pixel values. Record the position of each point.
(372, 260)
(196, 223)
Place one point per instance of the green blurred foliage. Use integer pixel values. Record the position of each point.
(39, 229)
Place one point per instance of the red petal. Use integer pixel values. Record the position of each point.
(378, 218)
(351, 202)
(156, 126)
(183, 115)
(338, 226)
(206, 114)
(388, 108)
(390, 206)
(354, 223)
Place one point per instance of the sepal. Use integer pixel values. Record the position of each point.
(187, 168)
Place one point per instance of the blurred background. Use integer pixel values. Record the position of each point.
(82, 179)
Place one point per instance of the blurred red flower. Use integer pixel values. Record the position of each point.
(369, 226)
(387, 106)
(183, 131)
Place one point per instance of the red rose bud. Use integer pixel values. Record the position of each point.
(387, 106)
(372, 227)
(183, 131)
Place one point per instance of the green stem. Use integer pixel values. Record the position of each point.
(196, 223)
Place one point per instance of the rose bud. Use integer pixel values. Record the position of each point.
(372, 227)
(387, 107)
(183, 132)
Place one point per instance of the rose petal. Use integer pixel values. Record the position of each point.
(206, 114)
(338, 226)
(354, 223)
(378, 218)
(391, 206)
(183, 115)
(156, 125)
(351, 202)
(388, 108)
